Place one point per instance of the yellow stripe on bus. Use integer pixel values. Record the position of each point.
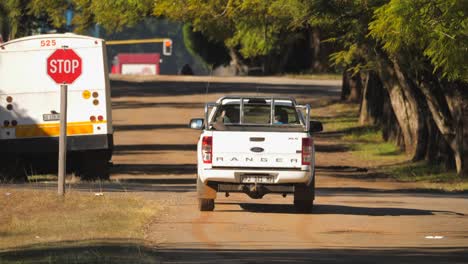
(44, 130)
(135, 41)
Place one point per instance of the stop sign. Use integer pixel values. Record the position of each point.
(64, 66)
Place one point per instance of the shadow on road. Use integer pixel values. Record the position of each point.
(113, 251)
(154, 169)
(359, 191)
(123, 88)
(161, 181)
(137, 105)
(154, 147)
(149, 127)
(341, 210)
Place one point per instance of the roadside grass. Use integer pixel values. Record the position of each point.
(367, 144)
(316, 76)
(344, 116)
(421, 171)
(334, 124)
(37, 217)
(42, 178)
(433, 176)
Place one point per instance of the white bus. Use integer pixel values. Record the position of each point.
(30, 105)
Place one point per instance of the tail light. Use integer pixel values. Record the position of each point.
(86, 94)
(207, 149)
(100, 118)
(92, 118)
(306, 151)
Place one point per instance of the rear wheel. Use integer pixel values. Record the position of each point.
(12, 169)
(304, 196)
(94, 165)
(206, 204)
(206, 196)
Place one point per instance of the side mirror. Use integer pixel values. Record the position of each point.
(315, 126)
(196, 123)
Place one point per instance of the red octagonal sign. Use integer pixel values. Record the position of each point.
(64, 66)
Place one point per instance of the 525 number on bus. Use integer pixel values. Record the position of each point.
(48, 43)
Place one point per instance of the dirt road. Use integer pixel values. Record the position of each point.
(354, 220)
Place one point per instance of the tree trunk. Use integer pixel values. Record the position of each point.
(318, 62)
(464, 135)
(391, 130)
(457, 98)
(406, 106)
(351, 88)
(283, 59)
(315, 41)
(236, 63)
(372, 100)
(448, 114)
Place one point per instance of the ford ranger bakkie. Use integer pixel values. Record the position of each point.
(256, 146)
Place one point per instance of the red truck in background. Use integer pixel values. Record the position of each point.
(136, 63)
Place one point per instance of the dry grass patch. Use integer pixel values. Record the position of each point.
(316, 76)
(37, 216)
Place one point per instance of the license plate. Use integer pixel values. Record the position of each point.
(257, 179)
(51, 117)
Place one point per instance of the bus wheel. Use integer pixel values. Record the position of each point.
(94, 166)
(12, 169)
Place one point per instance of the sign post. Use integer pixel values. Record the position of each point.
(64, 66)
(62, 158)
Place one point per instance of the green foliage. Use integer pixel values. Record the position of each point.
(55, 10)
(349, 20)
(113, 15)
(254, 27)
(209, 17)
(432, 29)
(211, 52)
(12, 12)
(438, 29)
(4, 27)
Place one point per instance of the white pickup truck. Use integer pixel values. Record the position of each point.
(256, 146)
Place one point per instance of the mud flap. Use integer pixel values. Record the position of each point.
(205, 191)
(303, 192)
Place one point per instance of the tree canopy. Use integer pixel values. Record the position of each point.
(438, 29)
(418, 49)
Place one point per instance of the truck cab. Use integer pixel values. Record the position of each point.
(256, 146)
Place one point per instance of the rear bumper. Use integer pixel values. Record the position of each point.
(50, 144)
(232, 175)
(263, 188)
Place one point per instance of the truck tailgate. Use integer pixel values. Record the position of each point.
(254, 149)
